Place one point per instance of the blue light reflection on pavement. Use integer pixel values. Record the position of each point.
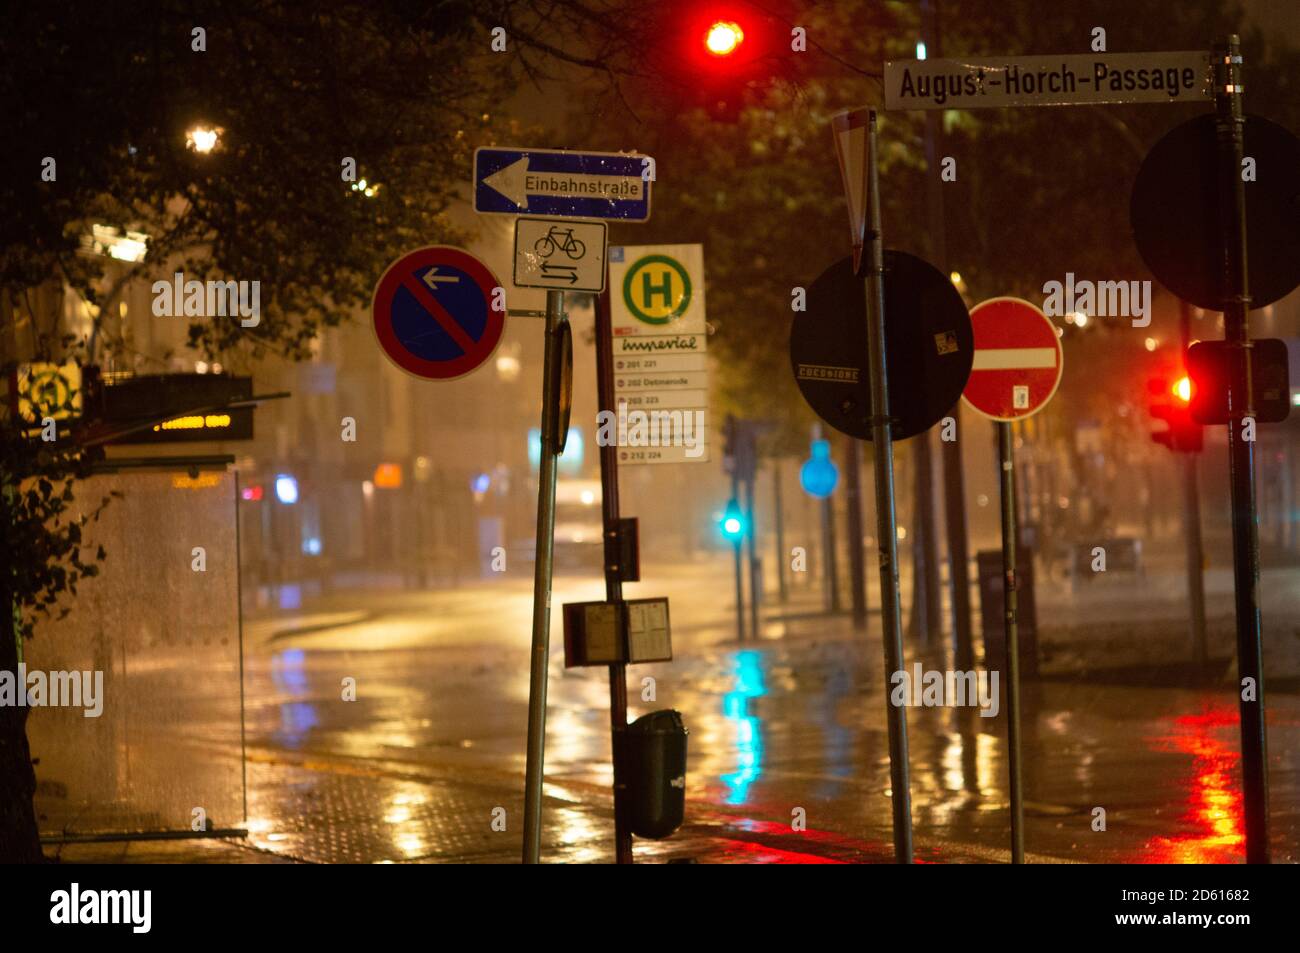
(749, 736)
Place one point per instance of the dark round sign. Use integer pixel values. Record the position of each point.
(1176, 220)
(928, 347)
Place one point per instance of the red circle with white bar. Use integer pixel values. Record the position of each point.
(1018, 359)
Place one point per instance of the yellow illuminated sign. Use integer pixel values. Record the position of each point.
(195, 422)
(202, 482)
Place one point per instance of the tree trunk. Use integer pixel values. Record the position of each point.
(19, 839)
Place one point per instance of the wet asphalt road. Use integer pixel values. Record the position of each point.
(413, 769)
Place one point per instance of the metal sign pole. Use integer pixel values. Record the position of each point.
(1192, 523)
(613, 571)
(755, 578)
(1230, 133)
(542, 566)
(886, 518)
(1009, 608)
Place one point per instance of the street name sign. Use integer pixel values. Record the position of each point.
(560, 253)
(927, 347)
(433, 312)
(563, 184)
(1068, 80)
(660, 342)
(1018, 360)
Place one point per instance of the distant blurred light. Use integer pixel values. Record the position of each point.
(252, 494)
(902, 532)
(1183, 388)
(956, 278)
(367, 489)
(111, 241)
(818, 476)
(1080, 318)
(587, 498)
(286, 489)
(570, 459)
(202, 139)
(480, 483)
(920, 49)
(388, 476)
(508, 367)
(200, 367)
(1295, 399)
(1151, 344)
(311, 546)
(982, 499)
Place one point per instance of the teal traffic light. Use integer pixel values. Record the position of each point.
(733, 522)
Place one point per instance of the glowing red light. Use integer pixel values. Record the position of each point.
(723, 38)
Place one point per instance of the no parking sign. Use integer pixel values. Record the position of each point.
(433, 312)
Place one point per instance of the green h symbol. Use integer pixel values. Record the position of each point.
(665, 288)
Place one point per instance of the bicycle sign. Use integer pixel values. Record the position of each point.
(559, 253)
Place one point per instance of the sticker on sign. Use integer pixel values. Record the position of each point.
(1082, 79)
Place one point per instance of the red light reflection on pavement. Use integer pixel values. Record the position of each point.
(1213, 794)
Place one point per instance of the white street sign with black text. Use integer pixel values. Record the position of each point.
(1077, 79)
(560, 253)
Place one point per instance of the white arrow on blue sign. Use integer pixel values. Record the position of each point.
(563, 184)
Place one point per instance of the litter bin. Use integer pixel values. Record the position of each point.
(654, 770)
(992, 612)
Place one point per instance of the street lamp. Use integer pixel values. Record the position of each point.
(202, 139)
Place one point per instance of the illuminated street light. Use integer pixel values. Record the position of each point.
(202, 139)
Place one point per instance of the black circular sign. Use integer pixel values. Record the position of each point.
(928, 347)
(1175, 213)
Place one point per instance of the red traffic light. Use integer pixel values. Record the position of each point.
(723, 38)
(1184, 433)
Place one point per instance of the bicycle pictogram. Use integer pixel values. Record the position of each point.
(562, 239)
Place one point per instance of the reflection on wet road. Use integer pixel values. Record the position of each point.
(418, 765)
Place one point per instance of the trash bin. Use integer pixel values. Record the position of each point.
(654, 770)
(992, 611)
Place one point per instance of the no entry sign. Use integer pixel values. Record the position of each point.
(433, 312)
(1017, 365)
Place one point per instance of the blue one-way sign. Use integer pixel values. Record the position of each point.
(565, 184)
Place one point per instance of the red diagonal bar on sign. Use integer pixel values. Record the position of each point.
(440, 314)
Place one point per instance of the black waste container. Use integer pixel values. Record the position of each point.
(654, 770)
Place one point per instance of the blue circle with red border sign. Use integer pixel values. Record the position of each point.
(433, 312)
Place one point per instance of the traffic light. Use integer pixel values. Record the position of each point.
(733, 522)
(1171, 402)
(1210, 365)
(713, 53)
(723, 38)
